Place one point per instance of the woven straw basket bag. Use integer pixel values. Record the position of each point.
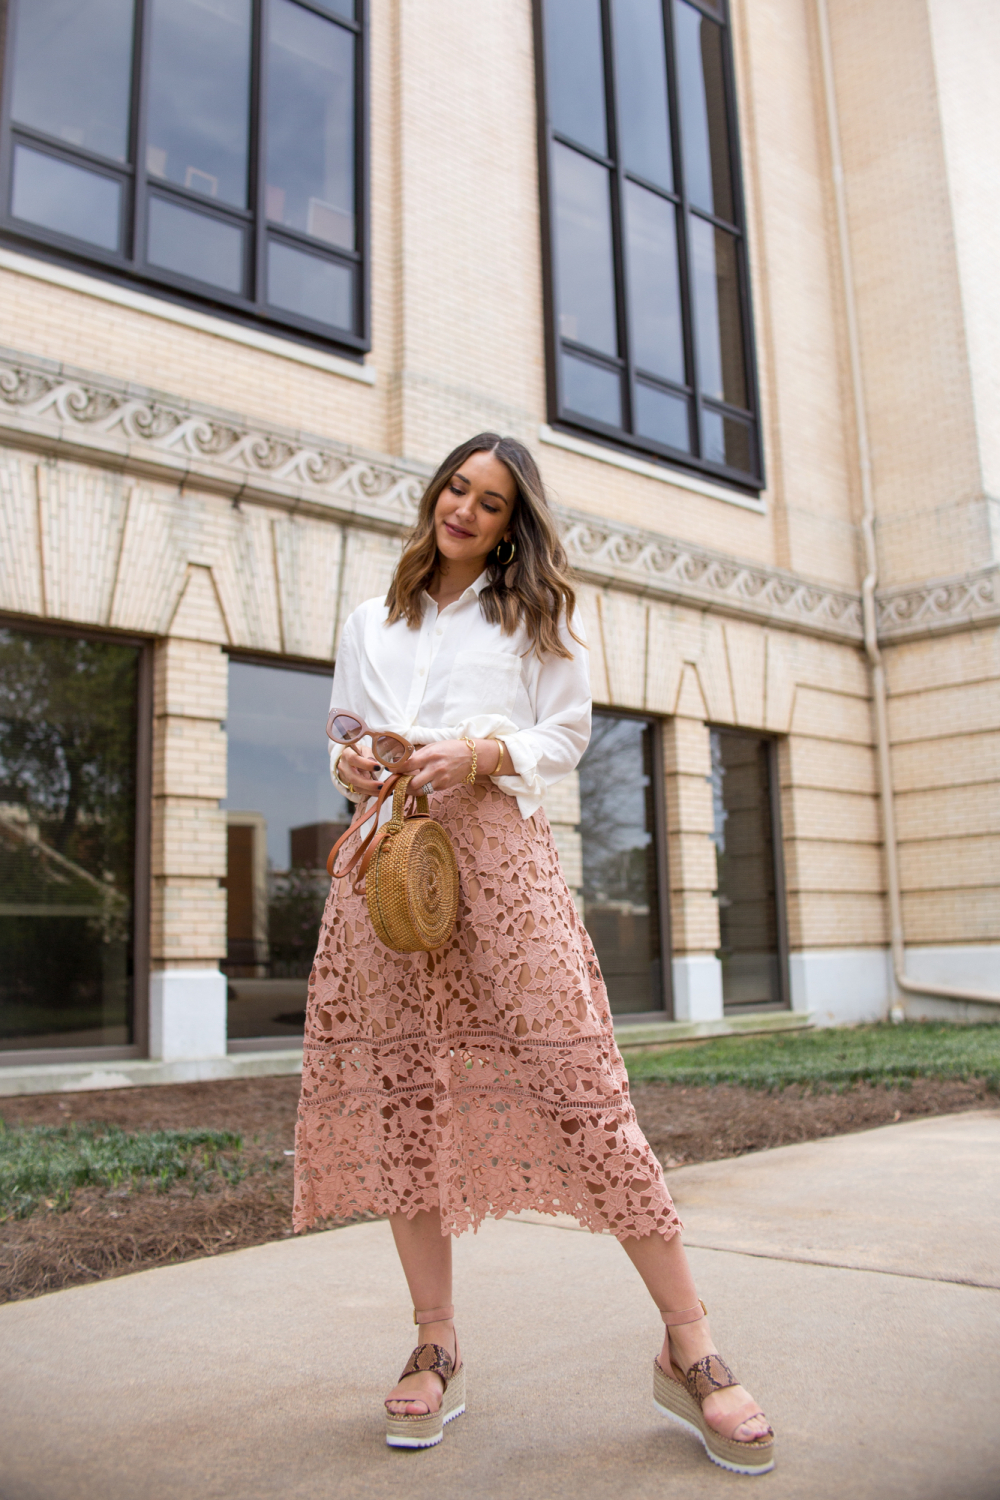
(410, 873)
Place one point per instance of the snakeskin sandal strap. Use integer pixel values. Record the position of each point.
(433, 1315)
(708, 1375)
(430, 1358)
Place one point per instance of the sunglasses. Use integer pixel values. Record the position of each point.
(388, 749)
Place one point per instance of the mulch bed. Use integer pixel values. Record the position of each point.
(110, 1233)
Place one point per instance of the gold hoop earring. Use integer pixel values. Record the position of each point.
(506, 561)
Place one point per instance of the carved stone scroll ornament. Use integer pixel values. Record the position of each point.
(327, 469)
(662, 565)
(940, 604)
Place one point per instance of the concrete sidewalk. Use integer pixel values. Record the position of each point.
(854, 1284)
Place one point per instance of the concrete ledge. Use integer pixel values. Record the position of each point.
(70, 1078)
(632, 1035)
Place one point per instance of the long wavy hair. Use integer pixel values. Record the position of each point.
(533, 590)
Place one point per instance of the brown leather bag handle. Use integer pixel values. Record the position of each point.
(399, 786)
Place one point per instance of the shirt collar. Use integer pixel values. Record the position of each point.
(474, 588)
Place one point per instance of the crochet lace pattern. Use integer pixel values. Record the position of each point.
(482, 1078)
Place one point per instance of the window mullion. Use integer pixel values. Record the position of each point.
(742, 249)
(362, 173)
(258, 151)
(136, 250)
(617, 216)
(683, 245)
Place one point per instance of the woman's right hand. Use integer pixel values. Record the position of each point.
(359, 771)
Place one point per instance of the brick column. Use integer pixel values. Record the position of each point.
(188, 905)
(694, 913)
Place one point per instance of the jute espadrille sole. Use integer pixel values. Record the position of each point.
(424, 1432)
(675, 1402)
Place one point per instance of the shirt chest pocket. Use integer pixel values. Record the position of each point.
(482, 682)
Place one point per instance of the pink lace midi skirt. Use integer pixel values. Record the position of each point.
(482, 1078)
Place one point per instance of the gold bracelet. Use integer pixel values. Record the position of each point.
(348, 791)
(470, 780)
(503, 751)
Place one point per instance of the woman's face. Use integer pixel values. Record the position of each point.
(475, 509)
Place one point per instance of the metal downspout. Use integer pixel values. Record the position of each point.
(869, 618)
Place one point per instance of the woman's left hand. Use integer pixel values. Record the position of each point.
(444, 765)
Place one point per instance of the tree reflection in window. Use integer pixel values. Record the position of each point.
(620, 892)
(67, 840)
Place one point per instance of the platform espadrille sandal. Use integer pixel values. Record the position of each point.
(425, 1430)
(681, 1397)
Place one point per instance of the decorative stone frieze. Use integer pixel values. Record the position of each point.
(78, 415)
(940, 605)
(607, 552)
(151, 433)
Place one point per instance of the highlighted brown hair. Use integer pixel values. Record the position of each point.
(533, 590)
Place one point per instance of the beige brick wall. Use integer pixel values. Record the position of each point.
(188, 857)
(457, 335)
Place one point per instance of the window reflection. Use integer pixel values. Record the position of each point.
(726, 441)
(284, 816)
(310, 102)
(591, 389)
(644, 121)
(704, 127)
(718, 325)
(199, 101)
(654, 285)
(584, 260)
(620, 894)
(196, 245)
(72, 75)
(68, 199)
(319, 289)
(575, 57)
(748, 918)
(67, 840)
(663, 417)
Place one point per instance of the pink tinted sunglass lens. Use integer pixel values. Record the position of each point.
(344, 728)
(390, 751)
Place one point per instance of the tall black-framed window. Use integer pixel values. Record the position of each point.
(621, 882)
(283, 817)
(753, 933)
(649, 325)
(214, 149)
(75, 750)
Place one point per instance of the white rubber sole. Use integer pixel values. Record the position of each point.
(723, 1463)
(392, 1441)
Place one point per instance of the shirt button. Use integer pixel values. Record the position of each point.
(439, 631)
(421, 672)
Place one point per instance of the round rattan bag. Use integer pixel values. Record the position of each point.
(410, 874)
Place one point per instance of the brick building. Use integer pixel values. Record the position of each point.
(725, 267)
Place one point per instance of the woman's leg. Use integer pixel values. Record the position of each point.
(425, 1254)
(663, 1266)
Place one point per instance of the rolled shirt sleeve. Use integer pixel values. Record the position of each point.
(552, 748)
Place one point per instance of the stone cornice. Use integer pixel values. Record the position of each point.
(53, 408)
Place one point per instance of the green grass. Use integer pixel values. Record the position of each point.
(46, 1164)
(832, 1057)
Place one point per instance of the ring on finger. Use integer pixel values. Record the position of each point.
(427, 787)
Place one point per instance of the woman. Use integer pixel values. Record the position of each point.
(483, 1078)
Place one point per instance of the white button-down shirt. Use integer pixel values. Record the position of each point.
(459, 675)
